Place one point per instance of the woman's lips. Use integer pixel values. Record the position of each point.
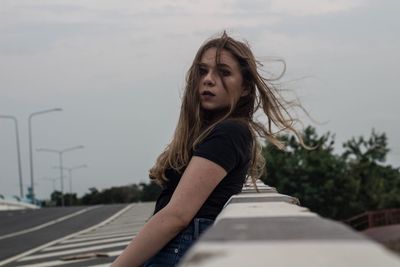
(207, 93)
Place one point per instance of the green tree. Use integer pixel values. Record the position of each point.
(122, 194)
(378, 185)
(71, 199)
(55, 197)
(335, 186)
(91, 198)
(150, 191)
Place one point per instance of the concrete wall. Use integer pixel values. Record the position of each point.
(271, 229)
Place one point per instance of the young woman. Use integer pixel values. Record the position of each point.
(213, 150)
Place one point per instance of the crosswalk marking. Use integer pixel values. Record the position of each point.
(109, 238)
(95, 238)
(88, 243)
(73, 251)
(61, 262)
(119, 227)
(51, 263)
(100, 265)
(122, 226)
(109, 233)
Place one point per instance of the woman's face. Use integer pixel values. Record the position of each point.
(213, 95)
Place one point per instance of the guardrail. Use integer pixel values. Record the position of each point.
(271, 229)
(374, 219)
(15, 205)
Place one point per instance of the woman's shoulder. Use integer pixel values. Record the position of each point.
(233, 126)
(228, 144)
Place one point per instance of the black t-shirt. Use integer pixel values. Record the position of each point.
(227, 145)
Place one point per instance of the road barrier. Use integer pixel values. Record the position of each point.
(15, 205)
(375, 218)
(271, 229)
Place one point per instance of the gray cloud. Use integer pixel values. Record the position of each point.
(118, 70)
(367, 23)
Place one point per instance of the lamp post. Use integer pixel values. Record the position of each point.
(53, 181)
(60, 153)
(21, 190)
(70, 176)
(30, 145)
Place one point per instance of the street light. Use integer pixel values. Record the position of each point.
(53, 180)
(30, 145)
(21, 190)
(70, 173)
(60, 153)
(70, 176)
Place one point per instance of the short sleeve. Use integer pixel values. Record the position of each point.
(227, 145)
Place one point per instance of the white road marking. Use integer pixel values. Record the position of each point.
(101, 265)
(114, 253)
(73, 251)
(130, 229)
(31, 251)
(45, 224)
(77, 240)
(121, 226)
(59, 262)
(50, 263)
(102, 234)
(88, 243)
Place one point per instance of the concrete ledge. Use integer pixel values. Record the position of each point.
(263, 210)
(289, 254)
(248, 187)
(271, 229)
(262, 197)
(280, 228)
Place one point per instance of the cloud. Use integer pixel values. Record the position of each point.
(117, 67)
(362, 26)
(313, 7)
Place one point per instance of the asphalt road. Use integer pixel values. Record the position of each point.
(27, 229)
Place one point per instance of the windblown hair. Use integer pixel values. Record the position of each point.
(193, 124)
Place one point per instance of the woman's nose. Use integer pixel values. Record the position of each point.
(209, 79)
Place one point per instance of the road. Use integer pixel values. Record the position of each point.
(69, 236)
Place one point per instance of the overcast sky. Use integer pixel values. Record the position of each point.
(117, 70)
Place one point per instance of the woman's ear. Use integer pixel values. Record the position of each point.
(245, 92)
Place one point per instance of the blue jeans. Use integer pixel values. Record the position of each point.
(171, 253)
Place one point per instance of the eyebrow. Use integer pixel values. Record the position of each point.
(218, 65)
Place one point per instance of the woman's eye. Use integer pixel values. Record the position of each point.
(225, 72)
(202, 71)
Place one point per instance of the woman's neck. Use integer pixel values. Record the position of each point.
(210, 117)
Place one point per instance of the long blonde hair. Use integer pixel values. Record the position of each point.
(193, 125)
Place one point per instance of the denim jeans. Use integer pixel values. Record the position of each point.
(171, 253)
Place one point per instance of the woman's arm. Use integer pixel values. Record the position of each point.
(198, 181)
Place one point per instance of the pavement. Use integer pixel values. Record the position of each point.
(82, 236)
(16, 220)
